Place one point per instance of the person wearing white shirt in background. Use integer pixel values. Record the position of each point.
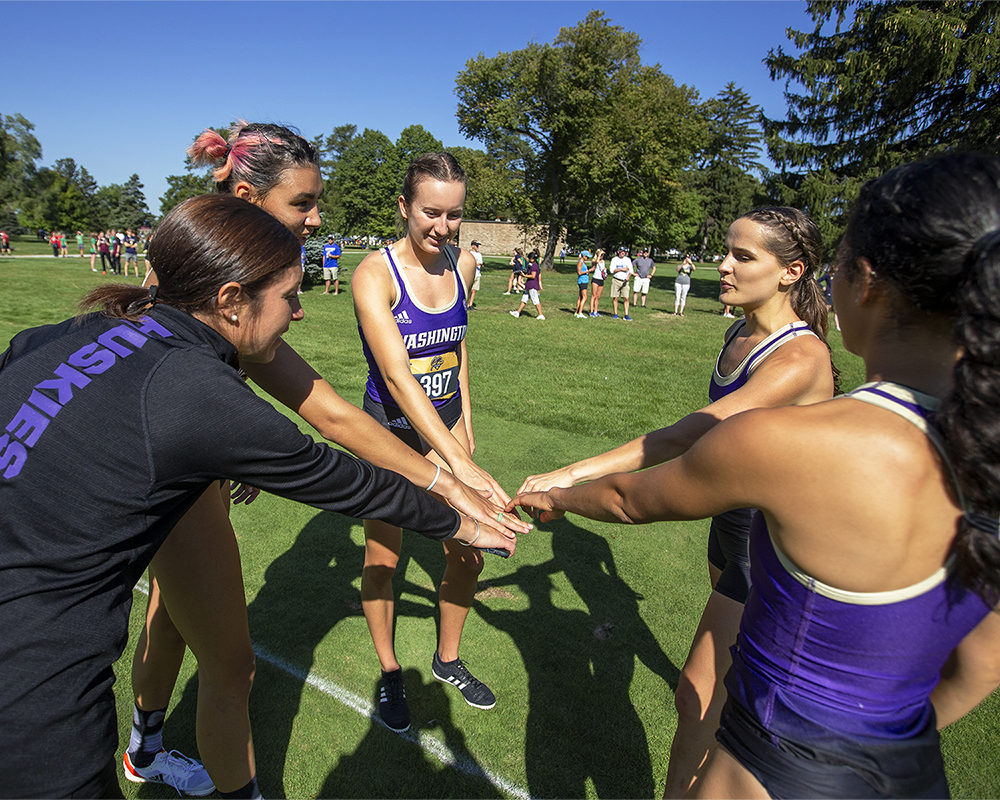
(621, 271)
(474, 246)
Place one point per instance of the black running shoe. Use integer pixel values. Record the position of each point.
(392, 707)
(475, 692)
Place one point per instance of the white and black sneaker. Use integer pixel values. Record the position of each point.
(174, 769)
(392, 707)
(475, 692)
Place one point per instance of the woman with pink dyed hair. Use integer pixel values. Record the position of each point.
(198, 566)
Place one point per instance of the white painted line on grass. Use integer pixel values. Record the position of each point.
(425, 741)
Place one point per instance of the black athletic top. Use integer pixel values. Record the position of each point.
(109, 432)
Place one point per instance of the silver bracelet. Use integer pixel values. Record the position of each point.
(469, 544)
(436, 476)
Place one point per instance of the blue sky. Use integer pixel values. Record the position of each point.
(123, 87)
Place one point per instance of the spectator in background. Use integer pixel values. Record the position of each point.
(532, 287)
(517, 271)
(331, 265)
(62, 244)
(682, 285)
(79, 242)
(93, 251)
(621, 271)
(104, 248)
(116, 253)
(54, 241)
(600, 272)
(582, 281)
(131, 251)
(644, 270)
(5, 242)
(474, 246)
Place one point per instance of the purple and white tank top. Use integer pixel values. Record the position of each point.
(721, 385)
(432, 337)
(811, 656)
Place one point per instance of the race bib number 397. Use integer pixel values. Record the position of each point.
(438, 375)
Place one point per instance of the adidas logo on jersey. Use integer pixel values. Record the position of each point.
(402, 318)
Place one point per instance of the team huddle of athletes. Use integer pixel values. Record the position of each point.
(853, 551)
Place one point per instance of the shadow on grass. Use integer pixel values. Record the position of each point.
(581, 720)
(373, 770)
(580, 662)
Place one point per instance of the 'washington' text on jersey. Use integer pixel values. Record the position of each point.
(414, 341)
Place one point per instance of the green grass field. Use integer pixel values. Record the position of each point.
(581, 635)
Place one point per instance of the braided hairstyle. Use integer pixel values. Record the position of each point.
(931, 232)
(791, 235)
(258, 153)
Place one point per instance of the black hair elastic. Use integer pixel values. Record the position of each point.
(152, 294)
(989, 525)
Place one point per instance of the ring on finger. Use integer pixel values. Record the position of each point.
(500, 517)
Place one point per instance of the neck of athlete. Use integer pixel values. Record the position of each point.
(411, 257)
(920, 354)
(771, 315)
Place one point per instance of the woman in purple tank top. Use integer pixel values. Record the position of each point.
(875, 549)
(775, 356)
(409, 299)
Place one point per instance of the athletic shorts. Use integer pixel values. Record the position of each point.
(530, 295)
(729, 550)
(394, 420)
(131, 257)
(331, 273)
(475, 282)
(598, 281)
(640, 285)
(619, 288)
(832, 765)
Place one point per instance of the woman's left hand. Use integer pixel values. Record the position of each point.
(242, 493)
(478, 478)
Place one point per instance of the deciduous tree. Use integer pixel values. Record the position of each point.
(591, 128)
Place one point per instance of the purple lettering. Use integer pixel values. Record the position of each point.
(28, 424)
(12, 457)
(49, 406)
(124, 334)
(92, 359)
(150, 327)
(68, 378)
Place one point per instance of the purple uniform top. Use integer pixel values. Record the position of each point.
(813, 661)
(722, 385)
(432, 337)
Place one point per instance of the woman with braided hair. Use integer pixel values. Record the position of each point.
(874, 552)
(775, 356)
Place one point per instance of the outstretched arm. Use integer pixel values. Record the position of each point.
(289, 379)
(796, 374)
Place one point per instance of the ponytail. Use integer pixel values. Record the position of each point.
(119, 300)
(257, 153)
(970, 419)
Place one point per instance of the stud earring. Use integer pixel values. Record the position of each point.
(234, 317)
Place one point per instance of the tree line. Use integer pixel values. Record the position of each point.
(63, 197)
(580, 137)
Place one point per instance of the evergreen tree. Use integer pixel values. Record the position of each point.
(900, 81)
(725, 179)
